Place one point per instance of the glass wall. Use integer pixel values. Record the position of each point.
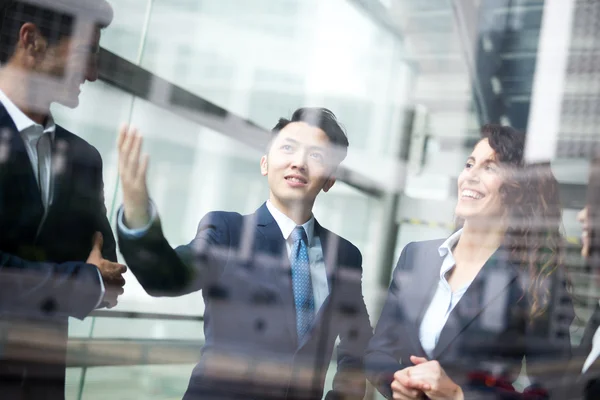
(259, 61)
(412, 83)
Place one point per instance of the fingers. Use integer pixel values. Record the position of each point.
(98, 241)
(118, 282)
(134, 157)
(417, 360)
(117, 271)
(415, 382)
(130, 145)
(144, 166)
(114, 285)
(122, 135)
(122, 268)
(403, 378)
(402, 392)
(421, 379)
(125, 148)
(110, 302)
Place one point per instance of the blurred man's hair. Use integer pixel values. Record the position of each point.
(55, 19)
(323, 119)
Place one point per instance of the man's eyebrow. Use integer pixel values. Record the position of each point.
(317, 148)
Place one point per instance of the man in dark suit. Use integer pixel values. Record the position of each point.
(279, 289)
(57, 251)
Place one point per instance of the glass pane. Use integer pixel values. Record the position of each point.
(124, 36)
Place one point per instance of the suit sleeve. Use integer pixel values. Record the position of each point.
(350, 381)
(548, 339)
(164, 271)
(590, 329)
(383, 353)
(39, 289)
(109, 248)
(67, 289)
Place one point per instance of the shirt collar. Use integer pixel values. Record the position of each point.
(23, 122)
(447, 246)
(445, 250)
(287, 226)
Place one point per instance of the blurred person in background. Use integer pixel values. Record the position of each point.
(57, 251)
(587, 364)
(279, 289)
(481, 299)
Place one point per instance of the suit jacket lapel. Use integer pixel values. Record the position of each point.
(17, 157)
(17, 167)
(61, 166)
(492, 281)
(272, 245)
(330, 245)
(420, 290)
(590, 330)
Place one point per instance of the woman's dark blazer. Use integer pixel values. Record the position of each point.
(489, 330)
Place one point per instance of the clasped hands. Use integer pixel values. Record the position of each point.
(425, 378)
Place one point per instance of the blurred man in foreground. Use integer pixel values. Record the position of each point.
(57, 251)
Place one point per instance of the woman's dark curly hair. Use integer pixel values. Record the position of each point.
(530, 195)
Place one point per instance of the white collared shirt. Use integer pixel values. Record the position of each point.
(444, 300)
(31, 132)
(318, 271)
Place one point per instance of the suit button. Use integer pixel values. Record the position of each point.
(48, 306)
(353, 334)
(260, 325)
(218, 292)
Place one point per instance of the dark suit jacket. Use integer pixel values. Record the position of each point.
(488, 327)
(43, 275)
(590, 380)
(252, 351)
(577, 385)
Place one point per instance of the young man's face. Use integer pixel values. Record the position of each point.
(63, 67)
(299, 164)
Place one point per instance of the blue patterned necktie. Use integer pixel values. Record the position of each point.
(301, 282)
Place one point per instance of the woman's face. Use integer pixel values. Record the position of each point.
(479, 185)
(582, 217)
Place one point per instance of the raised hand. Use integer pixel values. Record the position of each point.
(111, 272)
(132, 172)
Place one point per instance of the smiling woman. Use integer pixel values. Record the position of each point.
(520, 203)
(484, 294)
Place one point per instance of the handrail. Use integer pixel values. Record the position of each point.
(141, 83)
(145, 315)
(86, 352)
